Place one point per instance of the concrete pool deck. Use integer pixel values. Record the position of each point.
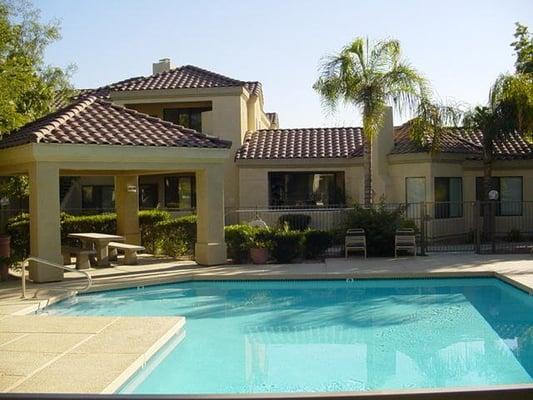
(92, 354)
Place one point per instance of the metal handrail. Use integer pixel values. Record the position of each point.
(54, 265)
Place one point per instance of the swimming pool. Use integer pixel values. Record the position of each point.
(329, 336)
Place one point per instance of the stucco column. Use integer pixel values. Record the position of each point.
(127, 205)
(210, 246)
(45, 230)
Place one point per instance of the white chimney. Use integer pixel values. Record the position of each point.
(163, 65)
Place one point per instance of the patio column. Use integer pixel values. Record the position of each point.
(45, 230)
(210, 247)
(127, 205)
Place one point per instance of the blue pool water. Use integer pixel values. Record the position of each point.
(328, 336)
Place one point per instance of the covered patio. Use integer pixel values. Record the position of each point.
(95, 137)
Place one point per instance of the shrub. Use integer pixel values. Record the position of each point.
(19, 230)
(286, 245)
(101, 223)
(380, 225)
(159, 231)
(176, 237)
(147, 224)
(294, 222)
(316, 242)
(239, 239)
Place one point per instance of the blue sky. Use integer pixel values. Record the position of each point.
(460, 46)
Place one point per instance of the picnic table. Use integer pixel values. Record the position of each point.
(100, 242)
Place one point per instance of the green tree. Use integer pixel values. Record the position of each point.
(523, 46)
(27, 84)
(370, 78)
(508, 111)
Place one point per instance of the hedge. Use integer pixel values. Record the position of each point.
(176, 237)
(316, 242)
(239, 239)
(160, 232)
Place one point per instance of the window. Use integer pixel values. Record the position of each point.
(98, 197)
(180, 192)
(510, 194)
(306, 188)
(187, 117)
(148, 196)
(448, 197)
(415, 193)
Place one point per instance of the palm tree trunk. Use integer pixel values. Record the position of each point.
(367, 167)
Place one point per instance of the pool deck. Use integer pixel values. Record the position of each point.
(96, 354)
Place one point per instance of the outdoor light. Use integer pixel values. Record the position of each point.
(132, 189)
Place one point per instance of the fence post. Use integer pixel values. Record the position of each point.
(423, 222)
(477, 228)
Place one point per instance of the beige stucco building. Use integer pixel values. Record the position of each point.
(267, 167)
(272, 167)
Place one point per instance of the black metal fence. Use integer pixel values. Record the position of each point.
(481, 227)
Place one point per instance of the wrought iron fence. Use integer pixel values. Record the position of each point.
(482, 227)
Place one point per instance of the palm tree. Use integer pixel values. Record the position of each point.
(370, 78)
(509, 111)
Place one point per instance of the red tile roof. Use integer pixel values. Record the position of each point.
(336, 143)
(184, 77)
(91, 120)
(309, 143)
(461, 141)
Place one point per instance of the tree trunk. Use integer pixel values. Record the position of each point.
(367, 167)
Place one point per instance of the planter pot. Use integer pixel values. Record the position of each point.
(5, 246)
(259, 256)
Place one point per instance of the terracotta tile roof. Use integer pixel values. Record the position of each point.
(460, 141)
(309, 143)
(184, 77)
(92, 120)
(317, 143)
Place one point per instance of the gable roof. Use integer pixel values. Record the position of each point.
(92, 120)
(306, 143)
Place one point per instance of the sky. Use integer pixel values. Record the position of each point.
(459, 46)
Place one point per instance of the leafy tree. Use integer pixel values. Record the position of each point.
(27, 85)
(370, 78)
(523, 46)
(509, 110)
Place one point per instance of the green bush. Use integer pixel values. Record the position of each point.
(316, 242)
(19, 230)
(101, 223)
(160, 233)
(295, 222)
(239, 239)
(380, 225)
(286, 245)
(147, 224)
(176, 237)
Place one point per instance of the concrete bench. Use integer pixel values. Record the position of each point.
(82, 256)
(130, 251)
